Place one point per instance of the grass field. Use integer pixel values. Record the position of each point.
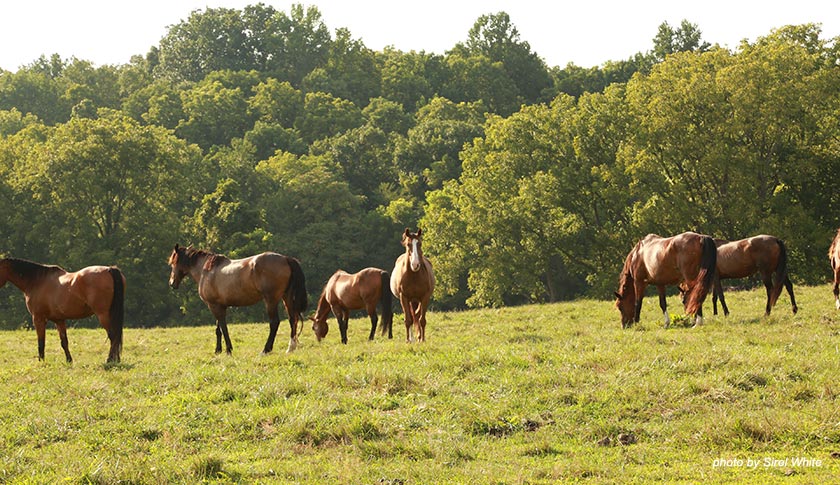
(535, 394)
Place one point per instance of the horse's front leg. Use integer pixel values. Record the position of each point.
(220, 312)
(40, 324)
(422, 308)
(409, 317)
(718, 293)
(663, 304)
(61, 325)
(837, 288)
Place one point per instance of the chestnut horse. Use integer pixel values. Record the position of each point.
(223, 283)
(834, 258)
(743, 258)
(412, 282)
(688, 257)
(344, 292)
(56, 295)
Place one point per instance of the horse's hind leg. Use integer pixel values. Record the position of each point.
(374, 319)
(768, 285)
(61, 325)
(663, 305)
(273, 325)
(718, 293)
(408, 313)
(789, 287)
(294, 320)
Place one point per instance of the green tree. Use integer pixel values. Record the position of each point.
(214, 114)
(350, 72)
(325, 116)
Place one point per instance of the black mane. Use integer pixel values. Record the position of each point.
(29, 270)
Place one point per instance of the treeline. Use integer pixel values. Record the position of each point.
(256, 129)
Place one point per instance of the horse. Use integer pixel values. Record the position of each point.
(834, 258)
(224, 282)
(344, 292)
(412, 282)
(57, 295)
(688, 257)
(743, 258)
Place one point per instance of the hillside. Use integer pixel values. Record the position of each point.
(533, 394)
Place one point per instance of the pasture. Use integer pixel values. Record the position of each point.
(535, 394)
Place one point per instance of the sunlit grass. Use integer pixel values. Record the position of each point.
(534, 394)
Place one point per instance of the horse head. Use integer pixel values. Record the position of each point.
(626, 300)
(179, 262)
(413, 248)
(4, 272)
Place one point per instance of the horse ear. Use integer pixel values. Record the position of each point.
(176, 246)
(419, 232)
(617, 295)
(407, 232)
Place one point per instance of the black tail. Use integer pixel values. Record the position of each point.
(705, 278)
(116, 313)
(385, 300)
(297, 289)
(781, 273)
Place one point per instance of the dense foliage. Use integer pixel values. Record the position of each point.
(256, 129)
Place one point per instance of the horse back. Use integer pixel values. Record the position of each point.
(85, 292)
(668, 260)
(744, 257)
(357, 290)
(243, 282)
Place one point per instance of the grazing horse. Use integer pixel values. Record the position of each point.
(412, 282)
(834, 258)
(688, 257)
(223, 283)
(57, 295)
(758, 254)
(344, 292)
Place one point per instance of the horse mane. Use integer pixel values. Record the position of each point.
(29, 270)
(214, 260)
(625, 280)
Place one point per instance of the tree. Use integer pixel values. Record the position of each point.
(214, 114)
(325, 115)
(350, 72)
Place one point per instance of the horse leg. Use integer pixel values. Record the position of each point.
(343, 317)
(374, 319)
(698, 319)
(421, 308)
(409, 317)
(789, 287)
(294, 319)
(640, 295)
(61, 325)
(40, 324)
(718, 293)
(837, 287)
(273, 325)
(768, 285)
(220, 312)
(663, 305)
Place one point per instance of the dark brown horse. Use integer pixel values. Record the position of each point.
(54, 294)
(344, 292)
(834, 258)
(743, 258)
(223, 283)
(688, 257)
(412, 282)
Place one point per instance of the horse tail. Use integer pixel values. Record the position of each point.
(705, 277)
(297, 288)
(385, 301)
(781, 273)
(117, 310)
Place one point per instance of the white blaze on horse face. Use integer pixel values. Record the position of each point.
(415, 255)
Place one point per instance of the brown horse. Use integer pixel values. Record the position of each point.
(54, 294)
(743, 258)
(688, 257)
(412, 282)
(223, 283)
(834, 258)
(344, 292)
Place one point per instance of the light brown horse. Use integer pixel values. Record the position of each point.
(54, 294)
(743, 258)
(834, 258)
(344, 292)
(688, 257)
(223, 283)
(412, 282)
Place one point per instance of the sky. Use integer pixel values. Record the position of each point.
(584, 32)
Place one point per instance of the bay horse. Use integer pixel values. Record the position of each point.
(57, 295)
(344, 292)
(412, 282)
(224, 282)
(834, 258)
(743, 258)
(688, 257)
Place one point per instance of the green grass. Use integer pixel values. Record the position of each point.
(535, 394)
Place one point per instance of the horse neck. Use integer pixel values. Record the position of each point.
(197, 269)
(323, 307)
(24, 284)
